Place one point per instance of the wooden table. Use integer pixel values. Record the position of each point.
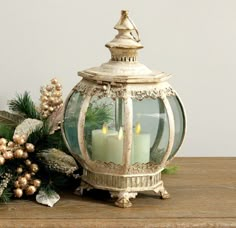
(203, 194)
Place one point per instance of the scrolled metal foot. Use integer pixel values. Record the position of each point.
(123, 198)
(83, 186)
(123, 203)
(162, 191)
(164, 194)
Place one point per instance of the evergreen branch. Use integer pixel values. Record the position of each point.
(39, 136)
(3, 170)
(6, 195)
(23, 104)
(170, 170)
(6, 131)
(42, 139)
(96, 116)
(56, 181)
(48, 189)
(56, 141)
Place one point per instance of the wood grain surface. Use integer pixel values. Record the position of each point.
(203, 194)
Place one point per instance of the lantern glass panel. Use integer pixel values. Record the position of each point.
(70, 125)
(151, 142)
(180, 124)
(103, 132)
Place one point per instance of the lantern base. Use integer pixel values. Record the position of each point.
(123, 187)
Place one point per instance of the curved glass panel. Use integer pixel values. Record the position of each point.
(180, 123)
(151, 140)
(104, 128)
(70, 123)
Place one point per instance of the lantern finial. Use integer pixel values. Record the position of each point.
(125, 23)
(124, 46)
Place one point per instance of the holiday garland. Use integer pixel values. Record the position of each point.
(33, 157)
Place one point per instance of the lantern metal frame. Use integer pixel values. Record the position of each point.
(123, 77)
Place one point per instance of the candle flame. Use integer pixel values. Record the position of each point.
(104, 128)
(138, 128)
(120, 134)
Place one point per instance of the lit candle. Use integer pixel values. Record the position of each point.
(141, 146)
(114, 147)
(98, 142)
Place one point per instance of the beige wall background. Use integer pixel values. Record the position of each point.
(195, 40)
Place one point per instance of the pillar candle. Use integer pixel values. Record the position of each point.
(98, 143)
(141, 146)
(114, 147)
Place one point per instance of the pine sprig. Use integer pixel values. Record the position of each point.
(3, 170)
(55, 181)
(42, 139)
(6, 195)
(48, 188)
(24, 105)
(56, 141)
(170, 170)
(96, 116)
(39, 137)
(6, 131)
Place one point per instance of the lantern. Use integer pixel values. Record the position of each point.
(123, 122)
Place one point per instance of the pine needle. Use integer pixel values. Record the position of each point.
(170, 170)
(42, 139)
(96, 116)
(55, 141)
(6, 195)
(23, 104)
(3, 170)
(6, 131)
(39, 136)
(48, 189)
(57, 182)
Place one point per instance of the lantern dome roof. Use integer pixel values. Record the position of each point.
(123, 66)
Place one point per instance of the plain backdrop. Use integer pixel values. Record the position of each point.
(195, 40)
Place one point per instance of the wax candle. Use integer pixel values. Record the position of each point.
(141, 146)
(114, 147)
(98, 143)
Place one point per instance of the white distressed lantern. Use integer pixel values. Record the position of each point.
(123, 122)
